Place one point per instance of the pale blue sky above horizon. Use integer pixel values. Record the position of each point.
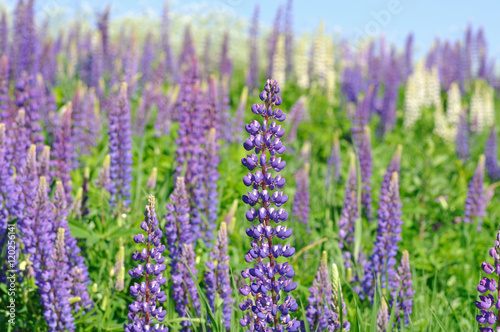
(395, 18)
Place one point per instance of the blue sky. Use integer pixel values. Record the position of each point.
(352, 18)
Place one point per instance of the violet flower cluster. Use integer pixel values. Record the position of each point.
(462, 138)
(217, 278)
(120, 147)
(146, 308)
(382, 261)
(179, 236)
(323, 311)
(491, 154)
(349, 215)
(365, 167)
(301, 200)
(404, 300)
(265, 309)
(474, 202)
(489, 303)
(253, 70)
(63, 153)
(189, 153)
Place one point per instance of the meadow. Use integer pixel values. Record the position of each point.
(110, 130)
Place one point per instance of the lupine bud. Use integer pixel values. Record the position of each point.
(151, 184)
(405, 295)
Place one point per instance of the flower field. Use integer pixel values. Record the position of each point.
(165, 177)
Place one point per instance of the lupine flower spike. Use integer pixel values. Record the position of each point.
(217, 277)
(474, 203)
(488, 288)
(405, 296)
(491, 153)
(146, 312)
(267, 277)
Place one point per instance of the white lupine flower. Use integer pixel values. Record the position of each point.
(454, 105)
(441, 126)
(412, 104)
(432, 88)
(419, 82)
(301, 64)
(279, 62)
(331, 76)
(489, 104)
(478, 105)
(319, 61)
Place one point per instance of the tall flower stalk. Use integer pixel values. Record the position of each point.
(404, 300)
(179, 235)
(488, 288)
(217, 279)
(491, 154)
(268, 278)
(146, 308)
(120, 146)
(474, 202)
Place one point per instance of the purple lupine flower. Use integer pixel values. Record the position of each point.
(408, 56)
(334, 161)
(318, 311)
(349, 215)
(170, 68)
(62, 155)
(188, 51)
(404, 299)
(297, 114)
(394, 166)
(383, 316)
(27, 97)
(351, 82)
(27, 180)
(210, 179)
(226, 65)
(44, 165)
(474, 203)
(382, 261)
(326, 303)
(103, 27)
(365, 167)
(78, 116)
(273, 40)
(120, 147)
(301, 201)
(8, 195)
(491, 154)
(488, 289)
(147, 58)
(77, 267)
(267, 278)
(57, 286)
(165, 110)
(4, 35)
(5, 115)
(217, 279)
(19, 142)
(38, 238)
(178, 234)
(362, 118)
(462, 138)
(189, 154)
(207, 63)
(253, 75)
(91, 121)
(289, 47)
(389, 103)
(189, 281)
(146, 308)
(142, 113)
